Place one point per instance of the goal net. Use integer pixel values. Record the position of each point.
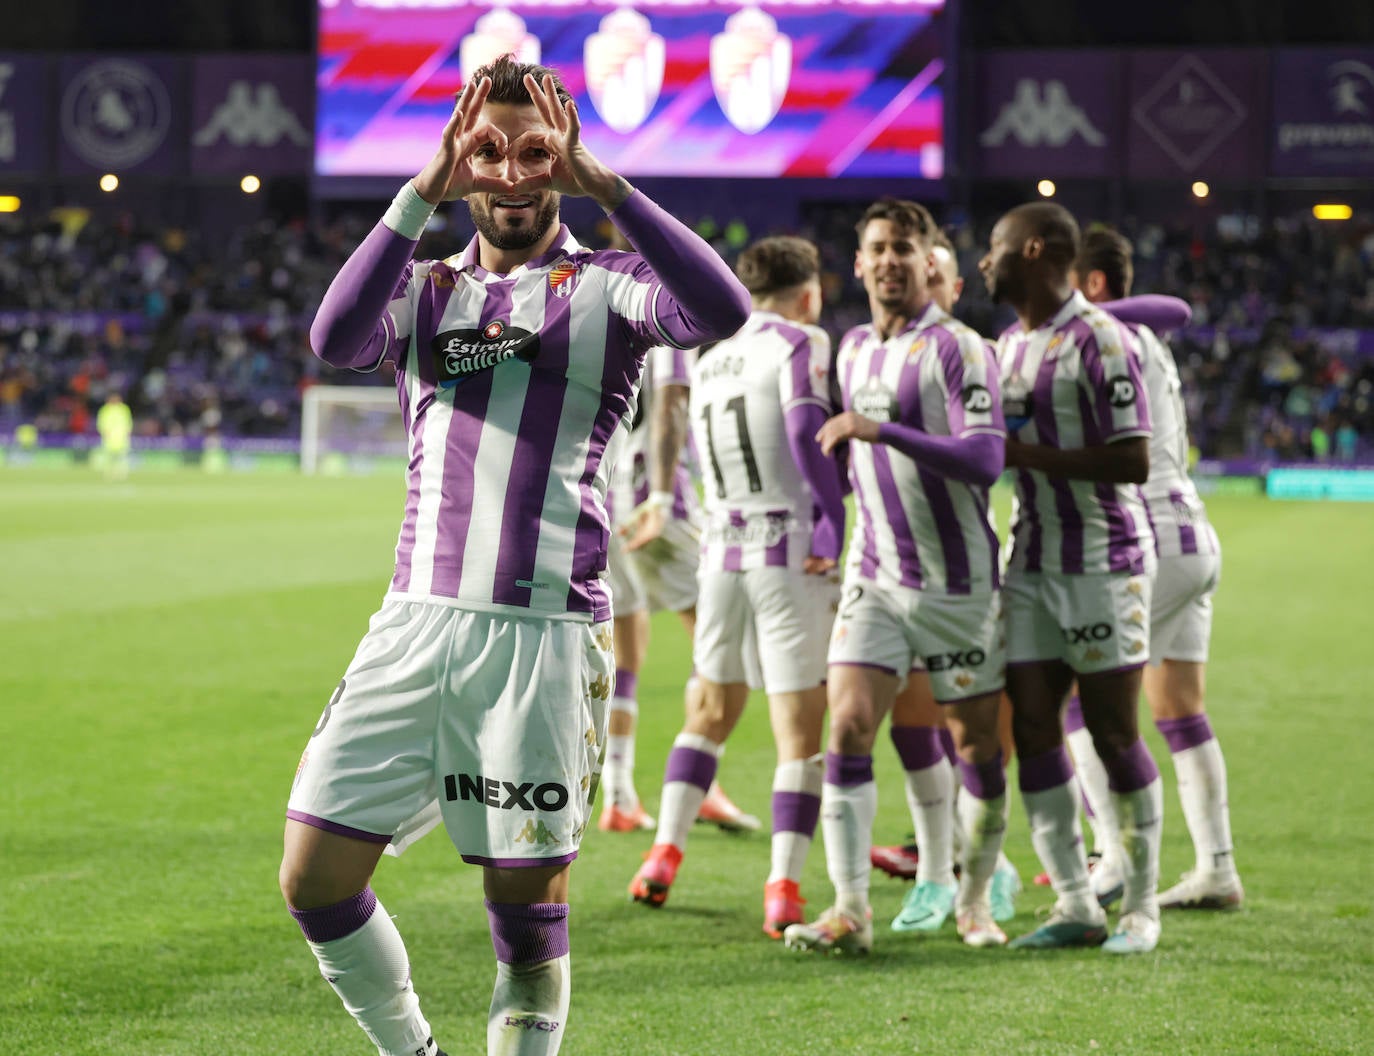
(348, 429)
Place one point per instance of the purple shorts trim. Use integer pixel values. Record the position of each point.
(1114, 670)
(518, 863)
(336, 828)
(860, 663)
(947, 701)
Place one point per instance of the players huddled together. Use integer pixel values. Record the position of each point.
(552, 397)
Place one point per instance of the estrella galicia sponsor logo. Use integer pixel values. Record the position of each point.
(950, 661)
(116, 113)
(875, 400)
(1123, 392)
(1092, 632)
(505, 795)
(462, 353)
(977, 399)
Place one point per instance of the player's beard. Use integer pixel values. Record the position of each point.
(522, 237)
(1006, 284)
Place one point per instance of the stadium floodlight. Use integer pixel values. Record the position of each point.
(1332, 211)
(1200, 189)
(9, 203)
(1046, 188)
(250, 184)
(109, 182)
(351, 427)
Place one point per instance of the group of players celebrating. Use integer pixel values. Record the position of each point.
(482, 692)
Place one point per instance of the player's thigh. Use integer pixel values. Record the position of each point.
(628, 591)
(520, 738)
(368, 768)
(961, 643)
(1181, 607)
(668, 567)
(916, 704)
(869, 630)
(723, 617)
(1103, 618)
(792, 623)
(859, 697)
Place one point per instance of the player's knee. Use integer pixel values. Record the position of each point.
(304, 889)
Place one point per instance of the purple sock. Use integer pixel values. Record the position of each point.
(1132, 770)
(918, 747)
(947, 743)
(796, 812)
(342, 918)
(523, 934)
(848, 770)
(691, 765)
(1182, 734)
(626, 683)
(984, 780)
(1073, 715)
(1039, 773)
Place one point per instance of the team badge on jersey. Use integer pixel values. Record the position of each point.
(459, 354)
(917, 349)
(561, 278)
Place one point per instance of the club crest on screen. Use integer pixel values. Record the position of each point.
(499, 32)
(751, 65)
(624, 63)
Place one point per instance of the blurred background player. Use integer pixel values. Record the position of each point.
(774, 530)
(1189, 570)
(920, 398)
(1077, 593)
(115, 424)
(484, 679)
(932, 789)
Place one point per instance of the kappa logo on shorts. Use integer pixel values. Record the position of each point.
(1090, 632)
(536, 833)
(600, 687)
(950, 661)
(505, 795)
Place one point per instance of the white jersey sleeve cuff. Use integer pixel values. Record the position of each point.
(408, 213)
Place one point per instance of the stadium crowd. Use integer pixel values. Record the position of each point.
(204, 338)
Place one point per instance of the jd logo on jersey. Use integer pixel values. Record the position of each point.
(1123, 392)
(977, 399)
(459, 354)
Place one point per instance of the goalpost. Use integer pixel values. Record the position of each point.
(351, 428)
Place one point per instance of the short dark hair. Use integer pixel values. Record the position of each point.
(777, 263)
(508, 80)
(910, 218)
(1055, 226)
(1107, 250)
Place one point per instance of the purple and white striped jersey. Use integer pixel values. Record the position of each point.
(516, 391)
(630, 484)
(1075, 381)
(916, 528)
(759, 507)
(1176, 512)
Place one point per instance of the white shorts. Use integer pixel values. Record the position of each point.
(791, 614)
(1095, 622)
(660, 577)
(492, 724)
(1181, 609)
(956, 638)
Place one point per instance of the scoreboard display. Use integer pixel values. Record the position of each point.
(811, 88)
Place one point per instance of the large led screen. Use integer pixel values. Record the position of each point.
(664, 87)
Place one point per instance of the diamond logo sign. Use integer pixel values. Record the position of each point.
(1189, 112)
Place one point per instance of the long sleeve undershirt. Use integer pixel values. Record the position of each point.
(976, 459)
(802, 422)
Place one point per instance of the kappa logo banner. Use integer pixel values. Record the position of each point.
(252, 114)
(1046, 113)
(751, 66)
(24, 121)
(624, 62)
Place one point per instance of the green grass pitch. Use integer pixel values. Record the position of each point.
(166, 646)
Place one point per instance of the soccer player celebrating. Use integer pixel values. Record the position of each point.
(775, 522)
(1078, 584)
(921, 399)
(478, 694)
(1180, 608)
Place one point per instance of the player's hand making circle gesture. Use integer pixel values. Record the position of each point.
(456, 171)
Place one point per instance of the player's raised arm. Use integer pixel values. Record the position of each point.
(353, 327)
(1158, 311)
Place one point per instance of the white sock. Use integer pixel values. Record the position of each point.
(370, 972)
(529, 1008)
(847, 813)
(1201, 773)
(618, 771)
(1058, 840)
(985, 822)
(684, 787)
(1092, 778)
(958, 833)
(1140, 814)
(930, 795)
(797, 788)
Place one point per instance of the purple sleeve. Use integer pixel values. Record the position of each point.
(350, 328)
(701, 299)
(976, 459)
(1157, 311)
(822, 475)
